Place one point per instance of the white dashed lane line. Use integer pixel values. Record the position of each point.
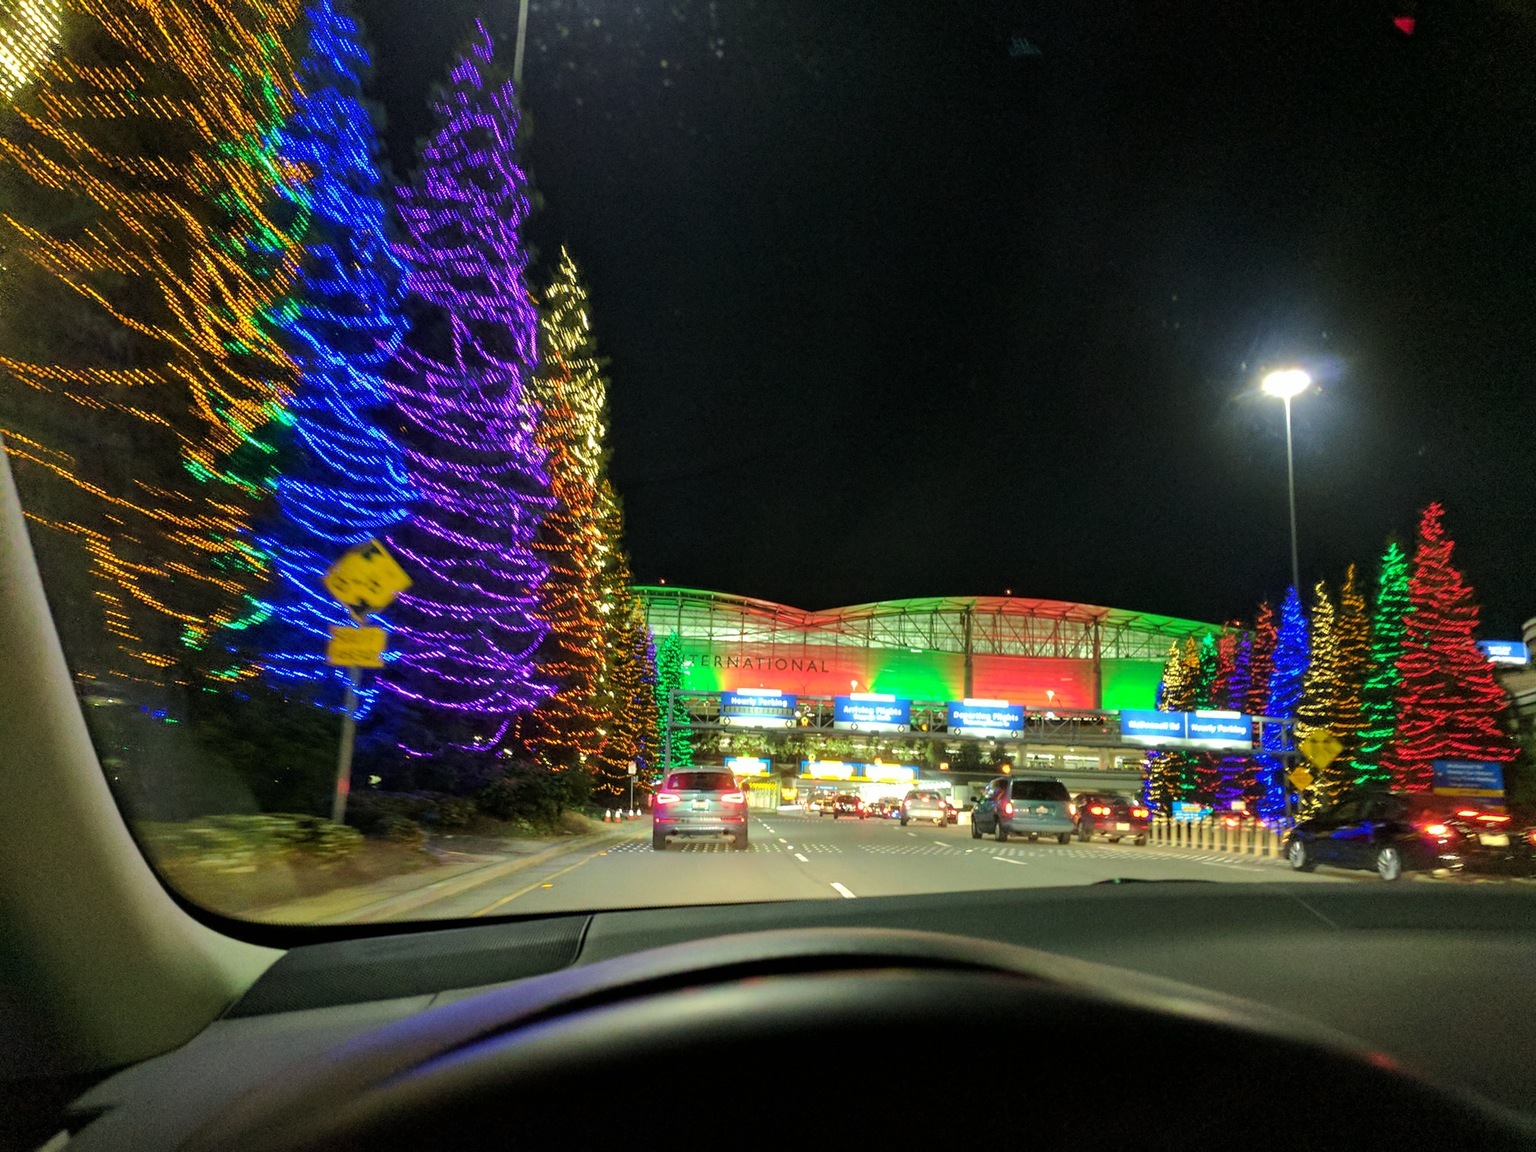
(846, 895)
(1010, 860)
(801, 858)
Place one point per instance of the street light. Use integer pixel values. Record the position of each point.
(1287, 384)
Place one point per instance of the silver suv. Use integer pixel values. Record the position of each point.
(700, 802)
(921, 805)
(1033, 808)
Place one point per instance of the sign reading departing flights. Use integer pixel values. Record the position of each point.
(986, 718)
(366, 577)
(355, 647)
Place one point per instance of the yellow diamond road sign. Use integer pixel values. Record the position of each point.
(1300, 778)
(367, 577)
(356, 648)
(1321, 747)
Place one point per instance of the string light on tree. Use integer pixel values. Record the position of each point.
(343, 480)
(1451, 707)
(1379, 691)
(465, 634)
(1286, 680)
(29, 33)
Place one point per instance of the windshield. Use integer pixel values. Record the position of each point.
(442, 437)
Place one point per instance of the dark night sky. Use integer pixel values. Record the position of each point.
(893, 312)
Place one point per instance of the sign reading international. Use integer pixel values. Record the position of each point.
(871, 712)
(1213, 730)
(757, 708)
(986, 718)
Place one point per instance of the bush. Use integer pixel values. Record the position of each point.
(245, 843)
(375, 813)
(533, 795)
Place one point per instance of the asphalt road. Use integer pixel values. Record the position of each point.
(792, 856)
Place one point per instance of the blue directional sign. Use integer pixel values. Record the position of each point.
(871, 712)
(1227, 730)
(1483, 778)
(986, 717)
(1505, 651)
(1143, 727)
(1218, 731)
(757, 708)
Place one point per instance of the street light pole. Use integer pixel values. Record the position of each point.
(1287, 384)
(1290, 487)
(522, 39)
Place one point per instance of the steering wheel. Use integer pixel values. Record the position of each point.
(805, 1038)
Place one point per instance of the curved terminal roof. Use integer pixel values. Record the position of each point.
(1001, 625)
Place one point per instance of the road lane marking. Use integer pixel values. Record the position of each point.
(781, 840)
(531, 887)
(1009, 860)
(847, 895)
(801, 858)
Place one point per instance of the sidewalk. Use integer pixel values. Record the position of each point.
(397, 897)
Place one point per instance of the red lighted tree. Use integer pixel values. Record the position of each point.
(1449, 704)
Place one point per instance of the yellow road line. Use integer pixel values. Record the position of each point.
(539, 884)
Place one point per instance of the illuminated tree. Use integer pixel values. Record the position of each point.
(1451, 707)
(1205, 765)
(137, 173)
(1318, 707)
(29, 29)
(633, 733)
(1284, 695)
(1262, 660)
(669, 679)
(465, 633)
(1170, 775)
(342, 477)
(1352, 665)
(1233, 679)
(571, 394)
(1380, 689)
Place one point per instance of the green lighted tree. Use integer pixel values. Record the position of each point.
(1379, 689)
(669, 680)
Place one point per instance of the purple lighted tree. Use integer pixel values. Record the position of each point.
(464, 634)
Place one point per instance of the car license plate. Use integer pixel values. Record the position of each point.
(700, 805)
(1122, 827)
(1494, 839)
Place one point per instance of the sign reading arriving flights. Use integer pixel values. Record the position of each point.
(366, 577)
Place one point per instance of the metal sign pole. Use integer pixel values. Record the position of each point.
(348, 737)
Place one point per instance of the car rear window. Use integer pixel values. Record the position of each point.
(1039, 790)
(929, 796)
(702, 781)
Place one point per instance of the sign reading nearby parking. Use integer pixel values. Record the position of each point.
(1231, 731)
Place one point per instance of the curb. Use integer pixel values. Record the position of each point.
(416, 898)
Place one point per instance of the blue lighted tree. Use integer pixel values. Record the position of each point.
(342, 477)
(1285, 687)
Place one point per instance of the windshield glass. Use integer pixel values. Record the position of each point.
(435, 434)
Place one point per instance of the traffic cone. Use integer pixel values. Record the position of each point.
(607, 815)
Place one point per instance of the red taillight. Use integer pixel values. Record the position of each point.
(1437, 829)
(1099, 810)
(667, 798)
(733, 798)
(1008, 808)
(1494, 819)
(1467, 812)
(1139, 813)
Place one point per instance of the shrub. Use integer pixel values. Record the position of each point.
(371, 810)
(244, 843)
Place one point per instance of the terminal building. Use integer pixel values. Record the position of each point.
(1068, 665)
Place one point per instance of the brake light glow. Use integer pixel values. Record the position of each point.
(1139, 813)
(734, 798)
(667, 798)
(1467, 812)
(1494, 819)
(1071, 808)
(1008, 808)
(1099, 810)
(1437, 829)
